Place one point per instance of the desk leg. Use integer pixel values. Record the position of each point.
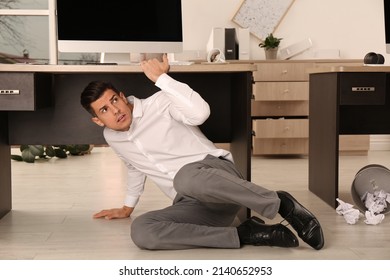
(5, 167)
(240, 145)
(324, 137)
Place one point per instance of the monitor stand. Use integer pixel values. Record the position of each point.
(126, 58)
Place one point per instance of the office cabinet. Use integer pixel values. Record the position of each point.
(280, 108)
(24, 91)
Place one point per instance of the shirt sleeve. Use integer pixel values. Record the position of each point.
(135, 185)
(187, 105)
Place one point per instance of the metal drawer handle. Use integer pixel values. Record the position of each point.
(9, 91)
(363, 89)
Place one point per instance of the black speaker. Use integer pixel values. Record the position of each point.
(231, 44)
(374, 58)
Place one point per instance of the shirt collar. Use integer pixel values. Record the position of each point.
(137, 106)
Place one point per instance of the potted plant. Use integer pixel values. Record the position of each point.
(271, 46)
(32, 152)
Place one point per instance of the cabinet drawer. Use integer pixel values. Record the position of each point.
(24, 91)
(281, 128)
(275, 91)
(354, 143)
(363, 88)
(279, 108)
(282, 71)
(280, 146)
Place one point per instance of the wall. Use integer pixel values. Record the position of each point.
(355, 27)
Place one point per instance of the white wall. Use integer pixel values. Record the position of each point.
(355, 27)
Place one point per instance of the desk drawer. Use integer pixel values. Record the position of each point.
(286, 91)
(282, 71)
(362, 88)
(281, 128)
(288, 146)
(279, 108)
(24, 91)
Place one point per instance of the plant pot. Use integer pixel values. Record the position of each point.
(271, 53)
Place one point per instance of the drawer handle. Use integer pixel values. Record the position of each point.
(286, 91)
(284, 72)
(363, 89)
(9, 91)
(287, 128)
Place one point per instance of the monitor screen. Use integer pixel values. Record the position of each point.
(119, 26)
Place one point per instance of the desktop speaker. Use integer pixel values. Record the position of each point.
(374, 58)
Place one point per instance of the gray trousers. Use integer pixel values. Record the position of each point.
(210, 194)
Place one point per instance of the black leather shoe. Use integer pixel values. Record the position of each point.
(304, 222)
(254, 232)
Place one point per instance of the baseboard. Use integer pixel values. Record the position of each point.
(379, 142)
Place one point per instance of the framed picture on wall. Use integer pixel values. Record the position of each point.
(261, 16)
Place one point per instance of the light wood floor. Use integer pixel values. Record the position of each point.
(53, 203)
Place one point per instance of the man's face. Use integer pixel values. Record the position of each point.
(113, 111)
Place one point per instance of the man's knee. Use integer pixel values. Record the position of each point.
(142, 233)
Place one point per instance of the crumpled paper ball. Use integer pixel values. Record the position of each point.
(376, 202)
(350, 214)
(373, 219)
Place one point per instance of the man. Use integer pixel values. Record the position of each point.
(158, 137)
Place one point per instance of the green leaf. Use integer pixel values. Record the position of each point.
(270, 42)
(50, 151)
(28, 156)
(23, 147)
(74, 151)
(17, 157)
(36, 150)
(83, 147)
(62, 147)
(60, 153)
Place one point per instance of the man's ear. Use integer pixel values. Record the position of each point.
(121, 95)
(97, 121)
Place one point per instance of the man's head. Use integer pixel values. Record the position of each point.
(108, 106)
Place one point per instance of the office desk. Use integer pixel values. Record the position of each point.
(344, 100)
(40, 105)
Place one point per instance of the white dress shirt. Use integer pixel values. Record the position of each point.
(163, 137)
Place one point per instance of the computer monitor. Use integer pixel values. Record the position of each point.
(387, 24)
(119, 26)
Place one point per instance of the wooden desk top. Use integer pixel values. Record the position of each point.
(228, 67)
(363, 68)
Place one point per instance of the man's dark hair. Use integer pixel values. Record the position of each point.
(93, 91)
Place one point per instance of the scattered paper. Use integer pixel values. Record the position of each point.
(376, 202)
(372, 219)
(350, 214)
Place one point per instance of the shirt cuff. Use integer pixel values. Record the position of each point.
(131, 201)
(163, 81)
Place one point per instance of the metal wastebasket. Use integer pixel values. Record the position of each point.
(364, 182)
